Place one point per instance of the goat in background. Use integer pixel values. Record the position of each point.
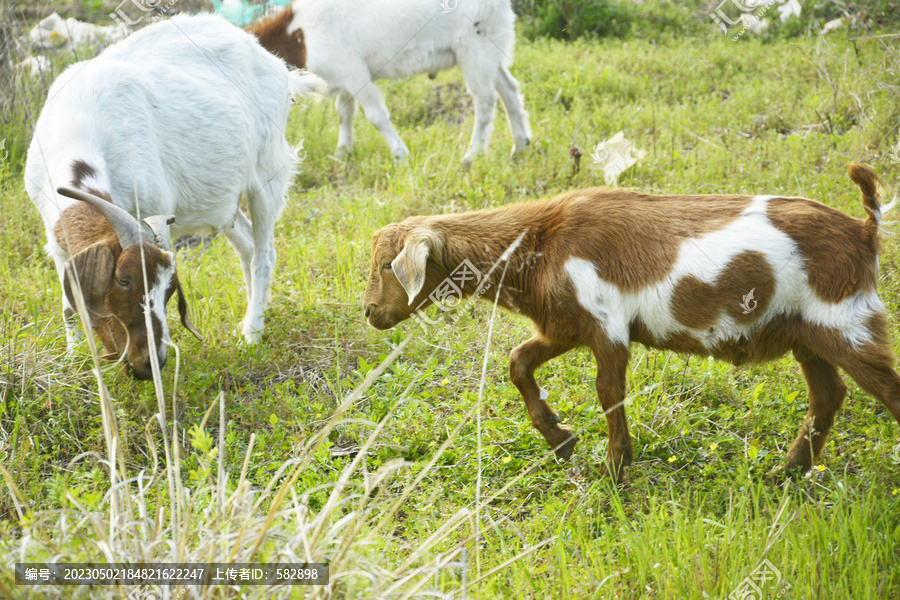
(351, 44)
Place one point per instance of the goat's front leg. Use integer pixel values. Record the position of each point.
(523, 361)
(612, 365)
(485, 99)
(70, 316)
(479, 67)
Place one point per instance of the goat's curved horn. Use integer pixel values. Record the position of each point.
(127, 228)
(159, 224)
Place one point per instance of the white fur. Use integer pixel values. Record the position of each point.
(351, 43)
(157, 299)
(705, 258)
(180, 118)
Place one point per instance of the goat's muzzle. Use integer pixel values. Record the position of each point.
(381, 319)
(143, 370)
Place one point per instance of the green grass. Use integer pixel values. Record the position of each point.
(774, 116)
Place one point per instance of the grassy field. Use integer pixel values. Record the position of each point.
(389, 454)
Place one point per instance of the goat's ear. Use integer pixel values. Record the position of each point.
(183, 311)
(410, 264)
(90, 270)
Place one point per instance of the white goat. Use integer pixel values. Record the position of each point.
(351, 44)
(180, 119)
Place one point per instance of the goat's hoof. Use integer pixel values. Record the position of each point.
(781, 474)
(400, 154)
(777, 476)
(518, 150)
(342, 154)
(252, 337)
(615, 471)
(563, 441)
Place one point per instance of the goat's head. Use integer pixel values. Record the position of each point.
(406, 266)
(117, 283)
(273, 33)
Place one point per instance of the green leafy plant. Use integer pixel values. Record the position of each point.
(571, 19)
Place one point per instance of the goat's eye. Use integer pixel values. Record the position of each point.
(386, 266)
(123, 281)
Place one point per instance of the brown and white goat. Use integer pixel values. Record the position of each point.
(184, 118)
(351, 44)
(741, 278)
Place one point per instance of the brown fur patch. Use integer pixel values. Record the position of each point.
(632, 239)
(83, 225)
(772, 340)
(868, 182)
(679, 342)
(272, 33)
(839, 251)
(697, 305)
(685, 343)
(80, 171)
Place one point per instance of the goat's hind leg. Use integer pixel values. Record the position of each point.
(870, 366)
(523, 361)
(872, 370)
(508, 88)
(826, 394)
(480, 62)
(376, 112)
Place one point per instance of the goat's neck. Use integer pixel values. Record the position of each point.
(480, 243)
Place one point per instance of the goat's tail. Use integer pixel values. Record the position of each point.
(303, 83)
(864, 176)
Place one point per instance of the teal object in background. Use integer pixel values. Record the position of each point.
(241, 13)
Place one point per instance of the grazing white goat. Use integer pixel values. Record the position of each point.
(741, 278)
(55, 31)
(352, 43)
(179, 119)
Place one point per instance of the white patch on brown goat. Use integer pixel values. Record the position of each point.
(705, 258)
